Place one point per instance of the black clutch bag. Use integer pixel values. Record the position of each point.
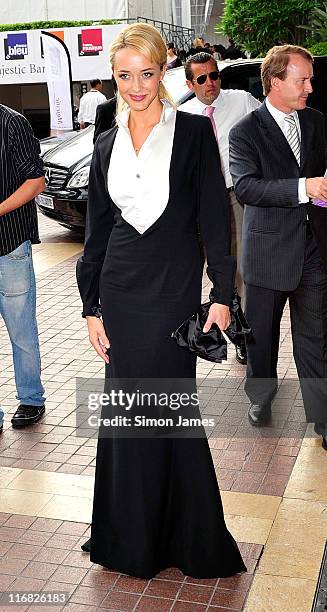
(239, 326)
(212, 345)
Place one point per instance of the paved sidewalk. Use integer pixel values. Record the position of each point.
(273, 482)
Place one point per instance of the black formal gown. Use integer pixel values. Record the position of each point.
(156, 501)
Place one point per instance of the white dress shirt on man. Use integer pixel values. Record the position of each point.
(139, 184)
(279, 117)
(231, 105)
(88, 105)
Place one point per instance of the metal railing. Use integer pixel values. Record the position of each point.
(180, 36)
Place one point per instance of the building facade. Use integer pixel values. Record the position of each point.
(61, 10)
(201, 15)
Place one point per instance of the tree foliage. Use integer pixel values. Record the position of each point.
(317, 24)
(257, 25)
(49, 25)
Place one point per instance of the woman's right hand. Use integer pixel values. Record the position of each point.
(97, 337)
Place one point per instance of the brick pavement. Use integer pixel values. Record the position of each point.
(39, 554)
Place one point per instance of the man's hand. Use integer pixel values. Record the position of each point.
(97, 337)
(25, 193)
(219, 314)
(316, 188)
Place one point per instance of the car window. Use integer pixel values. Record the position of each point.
(246, 76)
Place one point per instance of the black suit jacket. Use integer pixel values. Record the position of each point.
(105, 117)
(195, 186)
(266, 174)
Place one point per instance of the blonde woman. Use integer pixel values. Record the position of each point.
(154, 180)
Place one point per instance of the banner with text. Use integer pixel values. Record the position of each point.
(22, 53)
(58, 75)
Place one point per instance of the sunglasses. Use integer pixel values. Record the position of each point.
(214, 76)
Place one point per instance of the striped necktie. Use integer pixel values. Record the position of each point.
(293, 137)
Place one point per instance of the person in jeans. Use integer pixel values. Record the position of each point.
(21, 179)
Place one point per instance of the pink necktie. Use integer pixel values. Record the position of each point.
(209, 111)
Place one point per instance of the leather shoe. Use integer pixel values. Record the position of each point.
(324, 443)
(27, 415)
(259, 414)
(241, 355)
(86, 547)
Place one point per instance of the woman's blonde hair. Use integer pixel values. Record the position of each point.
(198, 42)
(145, 39)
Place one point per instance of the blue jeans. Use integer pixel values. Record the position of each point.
(18, 309)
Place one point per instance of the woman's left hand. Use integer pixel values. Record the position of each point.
(219, 314)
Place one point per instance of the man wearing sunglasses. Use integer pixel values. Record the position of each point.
(224, 107)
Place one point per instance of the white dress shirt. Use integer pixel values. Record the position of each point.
(139, 184)
(279, 117)
(230, 106)
(88, 105)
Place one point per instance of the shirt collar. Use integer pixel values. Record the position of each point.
(167, 112)
(218, 101)
(277, 114)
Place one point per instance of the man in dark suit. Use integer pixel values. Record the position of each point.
(277, 161)
(105, 117)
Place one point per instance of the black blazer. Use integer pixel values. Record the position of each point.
(197, 188)
(105, 117)
(266, 174)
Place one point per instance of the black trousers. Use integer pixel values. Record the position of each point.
(308, 310)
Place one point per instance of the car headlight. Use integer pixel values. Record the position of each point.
(80, 178)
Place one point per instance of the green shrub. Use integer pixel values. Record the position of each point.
(319, 48)
(49, 25)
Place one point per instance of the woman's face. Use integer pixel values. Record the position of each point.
(137, 78)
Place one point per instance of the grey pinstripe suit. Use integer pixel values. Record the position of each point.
(280, 255)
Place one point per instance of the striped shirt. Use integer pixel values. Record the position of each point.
(19, 160)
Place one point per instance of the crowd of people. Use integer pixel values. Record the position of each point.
(218, 51)
(223, 176)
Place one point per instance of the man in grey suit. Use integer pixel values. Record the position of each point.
(277, 161)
